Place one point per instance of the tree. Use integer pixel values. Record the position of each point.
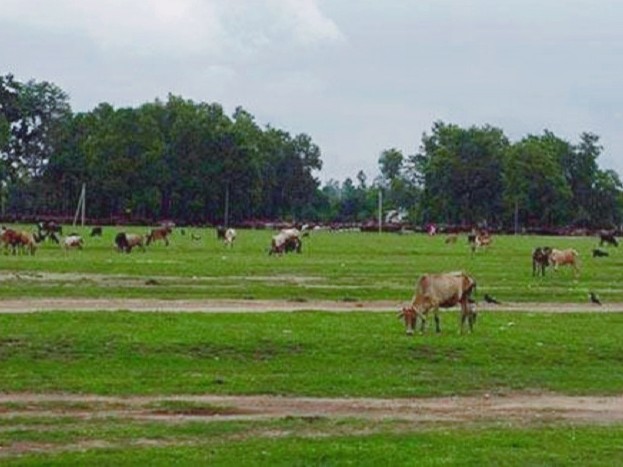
(535, 185)
(460, 171)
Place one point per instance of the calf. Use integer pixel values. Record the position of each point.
(159, 233)
(73, 241)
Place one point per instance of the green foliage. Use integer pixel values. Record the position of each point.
(193, 163)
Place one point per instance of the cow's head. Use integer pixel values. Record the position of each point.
(409, 315)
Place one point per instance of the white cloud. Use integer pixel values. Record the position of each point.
(180, 28)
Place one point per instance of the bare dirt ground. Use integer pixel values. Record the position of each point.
(524, 408)
(258, 306)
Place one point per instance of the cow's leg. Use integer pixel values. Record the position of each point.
(465, 314)
(437, 321)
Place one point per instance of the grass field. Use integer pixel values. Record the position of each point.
(336, 266)
(303, 354)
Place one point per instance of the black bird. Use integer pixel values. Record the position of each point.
(594, 298)
(195, 237)
(490, 299)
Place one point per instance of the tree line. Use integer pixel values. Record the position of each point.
(192, 163)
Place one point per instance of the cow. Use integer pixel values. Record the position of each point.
(478, 239)
(230, 237)
(18, 241)
(607, 238)
(72, 241)
(540, 260)
(220, 232)
(48, 229)
(126, 241)
(434, 291)
(159, 233)
(566, 257)
(285, 241)
(96, 231)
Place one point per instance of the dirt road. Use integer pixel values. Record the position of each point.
(258, 306)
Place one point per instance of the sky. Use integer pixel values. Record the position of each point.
(357, 76)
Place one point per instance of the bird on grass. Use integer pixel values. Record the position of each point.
(490, 299)
(195, 237)
(594, 298)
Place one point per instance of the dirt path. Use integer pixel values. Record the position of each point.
(518, 407)
(258, 306)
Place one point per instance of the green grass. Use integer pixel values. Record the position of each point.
(337, 266)
(308, 353)
(313, 442)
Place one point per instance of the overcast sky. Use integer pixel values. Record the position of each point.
(358, 76)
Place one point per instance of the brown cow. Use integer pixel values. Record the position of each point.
(18, 241)
(566, 257)
(434, 291)
(159, 233)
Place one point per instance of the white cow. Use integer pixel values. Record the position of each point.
(72, 241)
(230, 237)
(286, 240)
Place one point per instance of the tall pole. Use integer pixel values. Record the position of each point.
(80, 207)
(84, 201)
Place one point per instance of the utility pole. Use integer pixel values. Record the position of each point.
(81, 209)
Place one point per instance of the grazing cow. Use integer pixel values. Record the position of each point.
(18, 241)
(48, 229)
(540, 260)
(434, 291)
(96, 231)
(73, 241)
(566, 257)
(285, 241)
(127, 241)
(159, 233)
(478, 239)
(230, 237)
(607, 238)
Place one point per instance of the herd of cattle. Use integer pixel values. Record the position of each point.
(23, 241)
(432, 291)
